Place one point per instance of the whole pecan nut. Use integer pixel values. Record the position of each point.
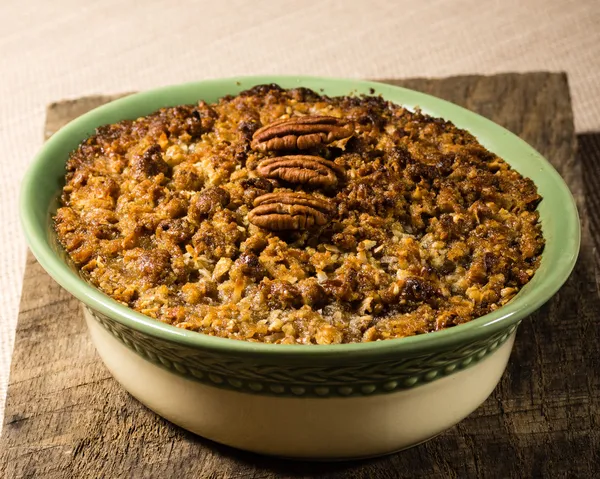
(308, 170)
(301, 133)
(290, 211)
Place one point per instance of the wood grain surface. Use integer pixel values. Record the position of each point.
(66, 417)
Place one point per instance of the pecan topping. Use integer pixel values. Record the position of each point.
(308, 170)
(301, 133)
(290, 211)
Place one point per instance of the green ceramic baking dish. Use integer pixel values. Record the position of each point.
(324, 402)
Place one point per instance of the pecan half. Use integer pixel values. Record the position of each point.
(301, 133)
(301, 169)
(290, 211)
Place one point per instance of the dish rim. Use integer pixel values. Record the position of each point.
(557, 267)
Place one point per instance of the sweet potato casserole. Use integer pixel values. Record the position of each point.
(285, 216)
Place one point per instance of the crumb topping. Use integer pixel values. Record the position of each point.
(402, 224)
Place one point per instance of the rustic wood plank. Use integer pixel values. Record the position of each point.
(66, 417)
(589, 156)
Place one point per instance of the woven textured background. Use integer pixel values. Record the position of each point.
(67, 48)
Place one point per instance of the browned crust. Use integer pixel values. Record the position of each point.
(170, 215)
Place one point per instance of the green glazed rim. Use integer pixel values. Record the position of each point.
(344, 378)
(558, 214)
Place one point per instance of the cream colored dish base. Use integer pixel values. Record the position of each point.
(328, 428)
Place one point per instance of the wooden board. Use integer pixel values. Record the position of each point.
(66, 417)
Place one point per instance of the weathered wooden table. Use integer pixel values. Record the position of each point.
(66, 417)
